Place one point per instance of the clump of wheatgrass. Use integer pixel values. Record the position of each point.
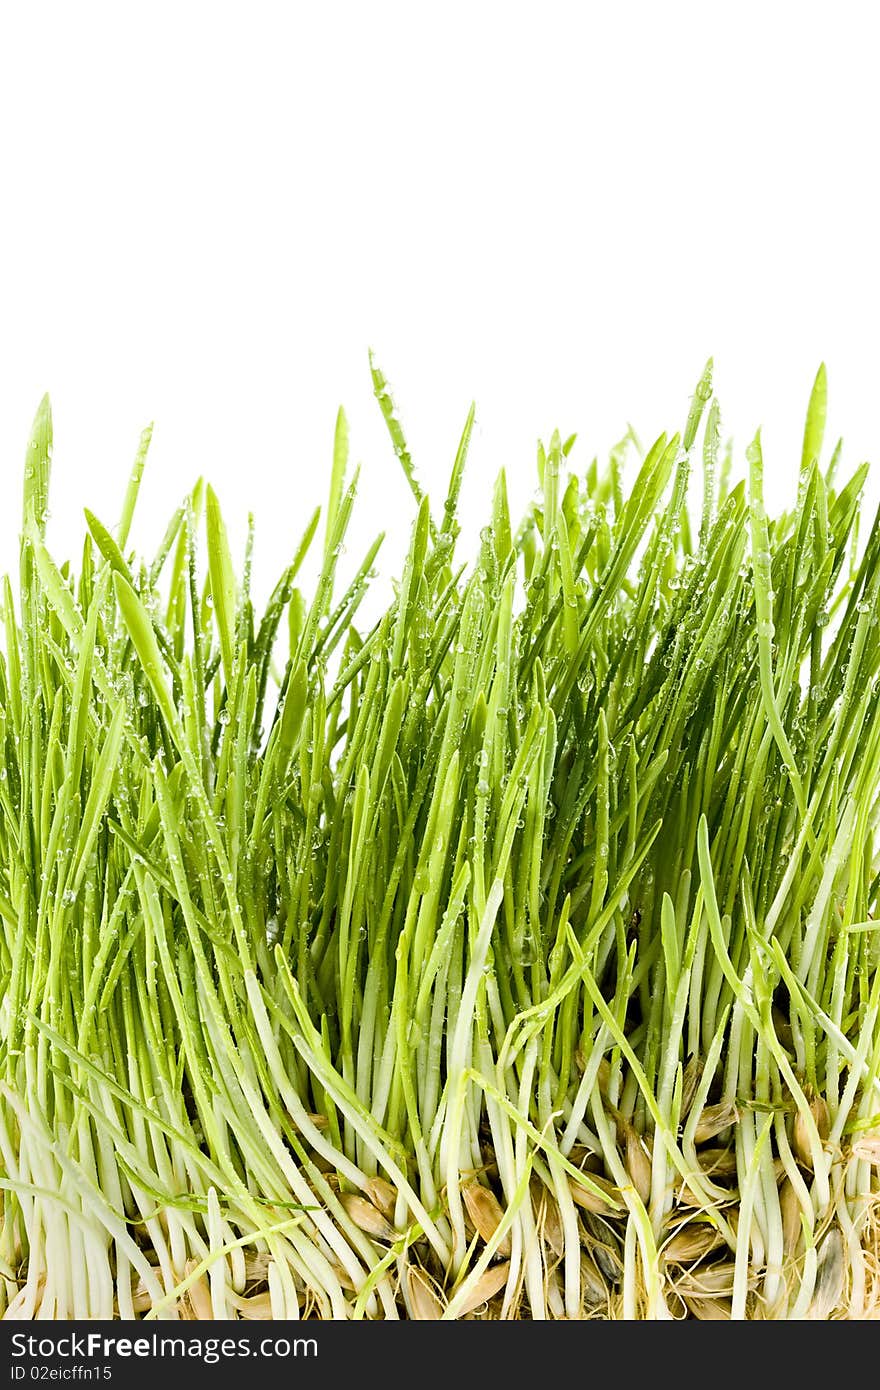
(514, 956)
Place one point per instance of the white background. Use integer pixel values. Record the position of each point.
(209, 212)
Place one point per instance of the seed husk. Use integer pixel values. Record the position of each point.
(830, 1277)
(718, 1162)
(710, 1309)
(595, 1290)
(693, 1073)
(598, 1241)
(141, 1298)
(692, 1242)
(424, 1304)
(586, 1159)
(486, 1213)
(706, 1281)
(199, 1295)
(367, 1217)
(257, 1308)
(687, 1197)
(800, 1133)
(590, 1201)
(490, 1282)
(638, 1164)
(715, 1119)
(256, 1266)
(548, 1218)
(382, 1195)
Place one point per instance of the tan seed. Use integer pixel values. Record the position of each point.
(382, 1195)
(692, 1242)
(790, 1209)
(718, 1162)
(592, 1201)
(547, 1217)
(585, 1159)
(638, 1164)
(424, 1305)
(687, 1197)
(710, 1309)
(714, 1119)
(594, 1286)
(365, 1215)
(597, 1241)
(490, 1282)
(486, 1213)
(800, 1133)
(608, 1262)
(691, 1078)
(706, 1281)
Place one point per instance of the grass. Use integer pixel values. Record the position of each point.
(514, 956)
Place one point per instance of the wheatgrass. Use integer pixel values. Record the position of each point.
(510, 954)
